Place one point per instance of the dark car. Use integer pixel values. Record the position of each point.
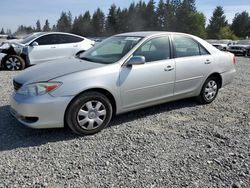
(241, 48)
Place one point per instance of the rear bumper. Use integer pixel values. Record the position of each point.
(227, 77)
(39, 112)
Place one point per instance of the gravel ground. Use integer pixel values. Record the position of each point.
(179, 144)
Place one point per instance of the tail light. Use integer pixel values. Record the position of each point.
(234, 59)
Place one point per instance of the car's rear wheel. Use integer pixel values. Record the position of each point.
(209, 90)
(89, 113)
(13, 62)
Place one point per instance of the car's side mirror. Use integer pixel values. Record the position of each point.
(136, 60)
(34, 44)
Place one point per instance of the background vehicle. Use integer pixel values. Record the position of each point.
(241, 48)
(222, 45)
(123, 73)
(42, 47)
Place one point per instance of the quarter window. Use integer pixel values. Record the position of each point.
(64, 39)
(155, 49)
(185, 47)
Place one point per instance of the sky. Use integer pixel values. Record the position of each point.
(16, 12)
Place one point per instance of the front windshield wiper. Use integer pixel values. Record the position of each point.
(86, 59)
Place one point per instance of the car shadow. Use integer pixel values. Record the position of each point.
(14, 135)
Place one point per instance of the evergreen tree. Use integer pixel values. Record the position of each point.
(161, 17)
(38, 26)
(122, 20)
(241, 25)
(112, 21)
(8, 32)
(216, 23)
(46, 27)
(2, 32)
(64, 24)
(226, 33)
(98, 21)
(54, 28)
(171, 11)
(150, 16)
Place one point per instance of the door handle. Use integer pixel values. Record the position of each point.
(169, 68)
(207, 62)
(75, 46)
(53, 47)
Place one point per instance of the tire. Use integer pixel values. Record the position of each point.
(88, 113)
(209, 91)
(13, 62)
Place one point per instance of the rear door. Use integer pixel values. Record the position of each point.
(193, 64)
(69, 45)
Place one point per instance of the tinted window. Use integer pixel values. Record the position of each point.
(186, 47)
(64, 39)
(47, 40)
(155, 49)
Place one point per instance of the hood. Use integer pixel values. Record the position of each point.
(54, 69)
(220, 44)
(240, 45)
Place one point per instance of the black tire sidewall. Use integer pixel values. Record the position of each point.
(77, 103)
(20, 59)
(202, 94)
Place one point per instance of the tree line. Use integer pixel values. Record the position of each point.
(166, 15)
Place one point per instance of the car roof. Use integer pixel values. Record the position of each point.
(147, 33)
(56, 32)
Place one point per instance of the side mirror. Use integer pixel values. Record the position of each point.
(136, 60)
(34, 44)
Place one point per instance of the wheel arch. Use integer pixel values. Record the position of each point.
(218, 76)
(99, 90)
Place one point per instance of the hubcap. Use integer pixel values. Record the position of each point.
(211, 90)
(91, 115)
(13, 63)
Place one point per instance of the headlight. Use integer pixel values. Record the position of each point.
(38, 89)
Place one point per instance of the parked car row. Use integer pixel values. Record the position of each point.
(41, 47)
(123, 73)
(241, 47)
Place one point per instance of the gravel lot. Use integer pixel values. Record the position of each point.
(179, 144)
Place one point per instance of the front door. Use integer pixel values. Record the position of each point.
(150, 82)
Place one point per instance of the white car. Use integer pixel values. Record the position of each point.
(42, 47)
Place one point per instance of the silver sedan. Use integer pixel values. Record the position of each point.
(123, 73)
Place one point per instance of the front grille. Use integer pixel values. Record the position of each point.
(16, 85)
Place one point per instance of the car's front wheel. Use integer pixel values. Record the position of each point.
(89, 113)
(209, 90)
(13, 62)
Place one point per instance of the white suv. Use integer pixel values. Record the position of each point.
(42, 47)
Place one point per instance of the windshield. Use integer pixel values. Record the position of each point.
(30, 37)
(111, 50)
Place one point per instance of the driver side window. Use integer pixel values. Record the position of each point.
(155, 49)
(47, 40)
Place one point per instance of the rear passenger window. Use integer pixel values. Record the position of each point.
(65, 39)
(155, 49)
(185, 47)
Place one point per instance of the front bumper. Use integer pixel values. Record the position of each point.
(39, 112)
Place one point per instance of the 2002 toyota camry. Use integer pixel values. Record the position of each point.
(123, 73)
